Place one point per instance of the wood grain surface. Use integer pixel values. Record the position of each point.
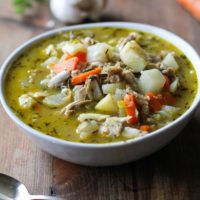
(170, 174)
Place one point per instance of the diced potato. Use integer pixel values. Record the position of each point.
(151, 81)
(100, 52)
(133, 56)
(26, 101)
(107, 104)
(129, 132)
(73, 48)
(110, 88)
(169, 61)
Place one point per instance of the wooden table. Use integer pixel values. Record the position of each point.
(170, 174)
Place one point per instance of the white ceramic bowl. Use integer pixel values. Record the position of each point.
(111, 153)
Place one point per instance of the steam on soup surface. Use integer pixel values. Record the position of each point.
(100, 85)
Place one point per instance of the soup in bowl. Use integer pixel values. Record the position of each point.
(102, 94)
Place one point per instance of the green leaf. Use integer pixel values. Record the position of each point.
(20, 6)
(19, 1)
(20, 10)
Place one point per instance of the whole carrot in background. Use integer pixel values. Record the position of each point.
(193, 6)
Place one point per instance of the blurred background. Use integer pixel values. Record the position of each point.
(23, 19)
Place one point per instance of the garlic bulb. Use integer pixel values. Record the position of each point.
(75, 11)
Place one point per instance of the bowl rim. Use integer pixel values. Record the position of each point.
(130, 25)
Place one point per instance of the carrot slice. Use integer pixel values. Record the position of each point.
(156, 101)
(69, 65)
(145, 128)
(131, 109)
(82, 77)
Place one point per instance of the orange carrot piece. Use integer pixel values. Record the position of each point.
(69, 65)
(167, 83)
(156, 101)
(145, 128)
(193, 6)
(168, 99)
(82, 77)
(82, 56)
(131, 109)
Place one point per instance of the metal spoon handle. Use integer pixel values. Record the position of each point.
(42, 197)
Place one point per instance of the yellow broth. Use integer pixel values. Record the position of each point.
(48, 120)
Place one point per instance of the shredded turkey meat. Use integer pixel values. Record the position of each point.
(124, 40)
(80, 93)
(93, 89)
(70, 108)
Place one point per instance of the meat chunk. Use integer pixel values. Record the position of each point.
(169, 71)
(93, 89)
(89, 41)
(114, 74)
(26, 101)
(117, 74)
(154, 58)
(115, 70)
(80, 93)
(113, 126)
(70, 108)
(115, 78)
(130, 79)
(124, 40)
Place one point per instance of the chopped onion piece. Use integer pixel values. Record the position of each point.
(174, 85)
(169, 61)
